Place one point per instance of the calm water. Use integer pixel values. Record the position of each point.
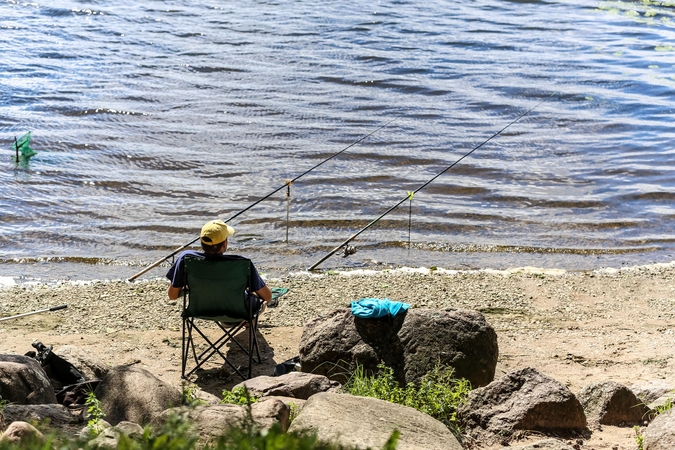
(152, 117)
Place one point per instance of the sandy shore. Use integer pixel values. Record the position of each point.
(576, 327)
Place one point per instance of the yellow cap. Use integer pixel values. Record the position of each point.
(215, 232)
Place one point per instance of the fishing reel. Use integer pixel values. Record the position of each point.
(349, 250)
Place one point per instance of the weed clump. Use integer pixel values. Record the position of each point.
(438, 393)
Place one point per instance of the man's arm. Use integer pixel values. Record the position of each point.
(174, 292)
(265, 293)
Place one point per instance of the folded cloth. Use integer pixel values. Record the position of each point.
(372, 308)
(276, 293)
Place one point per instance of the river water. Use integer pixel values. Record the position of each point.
(150, 118)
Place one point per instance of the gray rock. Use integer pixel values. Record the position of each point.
(411, 344)
(86, 363)
(130, 393)
(661, 402)
(59, 416)
(660, 434)
(110, 436)
(211, 422)
(292, 403)
(24, 382)
(90, 432)
(364, 422)
(611, 403)
(294, 384)
(206, 398)
(19, 431)
(649, 391)
(523, 399)
(546, 444)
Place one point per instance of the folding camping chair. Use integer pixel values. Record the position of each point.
(216, 291)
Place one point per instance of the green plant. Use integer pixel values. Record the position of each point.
(95, 412)
(189, 395)
(667, 406)
(295, 410)
(437, 394)
(178, 434)
(639, 438)
(239, 396)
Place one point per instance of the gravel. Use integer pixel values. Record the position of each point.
(506, 297)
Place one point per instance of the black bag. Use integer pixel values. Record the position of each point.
(287, 366)
(60, 371)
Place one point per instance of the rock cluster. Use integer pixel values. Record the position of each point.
(412, 344)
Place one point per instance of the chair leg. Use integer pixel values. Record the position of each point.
(250, 348)
(183, 353)
(255, 339)
(213, 348)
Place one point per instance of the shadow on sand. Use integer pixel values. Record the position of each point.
(218, 375)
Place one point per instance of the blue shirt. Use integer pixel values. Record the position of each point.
(176, 273)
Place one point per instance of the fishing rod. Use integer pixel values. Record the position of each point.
(410, 194)
(287, 184)
(53, 308)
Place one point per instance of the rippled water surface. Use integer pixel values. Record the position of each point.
(153, 117)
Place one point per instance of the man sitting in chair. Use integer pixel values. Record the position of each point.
(214, 243)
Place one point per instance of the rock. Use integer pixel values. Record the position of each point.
(650, 391)
(294, 384)
(365, 422)
(24, 382)
(90, 433)
(110, 436)
(522, 399)
(24, 432)
(211, 422)
(660, 434)
(546, 444)
(86, 363)
(610, 403)
(292, 403)
(269, 411)
(662, 402)
(59, 416)
(411, 344)
(206, 398)
(130, 393)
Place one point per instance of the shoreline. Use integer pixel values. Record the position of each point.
(7, 281)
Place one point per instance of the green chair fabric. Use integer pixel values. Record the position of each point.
(216, 292)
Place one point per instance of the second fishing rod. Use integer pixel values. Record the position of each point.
(285, 185)
(410, 194)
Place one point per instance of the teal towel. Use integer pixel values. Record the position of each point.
(372, 308)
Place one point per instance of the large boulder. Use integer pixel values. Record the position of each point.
(24, 382)
(660, 434)
(130, 393)
(411, 344)
(364, 422)
(294, 384)
(610, 403)
(211, 422)
(523, 399)
(87, 364)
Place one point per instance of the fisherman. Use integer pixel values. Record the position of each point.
(213, 238)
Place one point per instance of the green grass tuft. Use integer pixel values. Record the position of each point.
(437, 394)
